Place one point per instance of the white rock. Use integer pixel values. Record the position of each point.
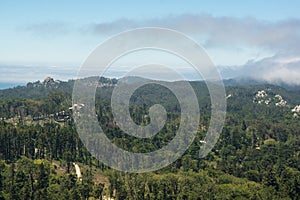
(77, 170)
(230, 95)
(296, 109)
(261, 94)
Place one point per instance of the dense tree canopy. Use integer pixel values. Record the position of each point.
(256, 157)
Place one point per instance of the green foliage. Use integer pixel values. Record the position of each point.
(256, 157)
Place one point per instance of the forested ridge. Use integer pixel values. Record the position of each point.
(257, 155)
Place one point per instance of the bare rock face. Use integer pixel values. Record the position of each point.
(48, 80)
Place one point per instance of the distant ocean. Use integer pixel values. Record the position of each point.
(10, 85)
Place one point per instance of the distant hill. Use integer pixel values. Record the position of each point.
(38, 89)
(239, 88)
(246, 81)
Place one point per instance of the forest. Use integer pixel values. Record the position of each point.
(256, 157)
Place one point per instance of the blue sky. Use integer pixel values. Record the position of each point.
(40, 38)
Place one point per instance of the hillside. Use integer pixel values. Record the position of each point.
(256, 157)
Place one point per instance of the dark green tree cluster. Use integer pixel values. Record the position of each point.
(256, 157)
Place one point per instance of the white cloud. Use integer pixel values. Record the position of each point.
(279, 40)
(276, 69)
(218, 31)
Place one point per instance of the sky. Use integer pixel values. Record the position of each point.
(259, 39)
